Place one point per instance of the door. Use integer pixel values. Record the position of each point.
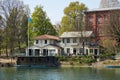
(37, 51)
(45, 52)
(96, 51)
(30, 52)
(86, 51)
(74, 51)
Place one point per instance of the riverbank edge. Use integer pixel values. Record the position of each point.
(100, 64)
(68, 64)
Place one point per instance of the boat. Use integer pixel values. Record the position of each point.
(112, 66)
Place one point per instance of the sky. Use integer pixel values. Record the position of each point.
(55, 8)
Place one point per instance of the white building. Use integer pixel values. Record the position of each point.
(69, 43)
(79, 43)
(44, 45)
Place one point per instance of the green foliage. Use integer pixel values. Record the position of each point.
(109, 45)
(86, 59)
(75, 8)
(63, 58)
(40, 23)
(73, 19)
(14, 20)
(106, 55)
(112, 28)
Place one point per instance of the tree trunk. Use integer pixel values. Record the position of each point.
(6, 50)
(19, 45)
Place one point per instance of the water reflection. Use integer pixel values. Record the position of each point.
(59, 74)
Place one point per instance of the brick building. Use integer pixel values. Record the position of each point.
(95, 20)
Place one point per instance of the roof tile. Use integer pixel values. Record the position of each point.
(46, 37)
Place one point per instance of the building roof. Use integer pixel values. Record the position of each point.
(52, 45)
(76, 34)
(43, 37)
(103, 9)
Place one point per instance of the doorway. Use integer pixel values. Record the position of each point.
(37, 51)
(96, 51)
(74, 51)
(30, 52)
(45, 52)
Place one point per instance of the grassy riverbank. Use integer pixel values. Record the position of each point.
(99, 64)
(73, 64)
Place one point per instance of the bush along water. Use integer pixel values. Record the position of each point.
(85, 59)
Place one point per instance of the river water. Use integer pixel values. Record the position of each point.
(59, 74)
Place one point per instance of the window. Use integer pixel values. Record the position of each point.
(63, 40)
(99, 20)
(37, 41)
(68, 40)
(45, 41)
(106, 19)
(91, 50)
(52, 51)
(90, 20)
(74, 40)
(81, 50)
(68, 50)
(87, 51)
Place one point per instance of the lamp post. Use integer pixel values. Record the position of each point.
(29, 21)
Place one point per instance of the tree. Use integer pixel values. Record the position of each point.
(107, 44)
(40, 23)
(74, 17)
(57, 27)
(14, 17)
(0, 34)
(112, 29)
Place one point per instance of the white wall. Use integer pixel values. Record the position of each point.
(41, 43)
(71, 42)
(66, 45)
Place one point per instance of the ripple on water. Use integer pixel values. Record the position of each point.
(59, 74)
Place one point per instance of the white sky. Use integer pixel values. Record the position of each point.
(54, 8)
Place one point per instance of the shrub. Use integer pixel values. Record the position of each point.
(86, 59)
(81, 59)
(106, 55)
(63, 58)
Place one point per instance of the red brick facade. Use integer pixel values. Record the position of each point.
(95, 21)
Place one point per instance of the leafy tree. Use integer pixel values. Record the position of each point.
(74, 17)
(14, 20)
(57, 27)
(112, 29)
(108, 45)
(40, 23)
